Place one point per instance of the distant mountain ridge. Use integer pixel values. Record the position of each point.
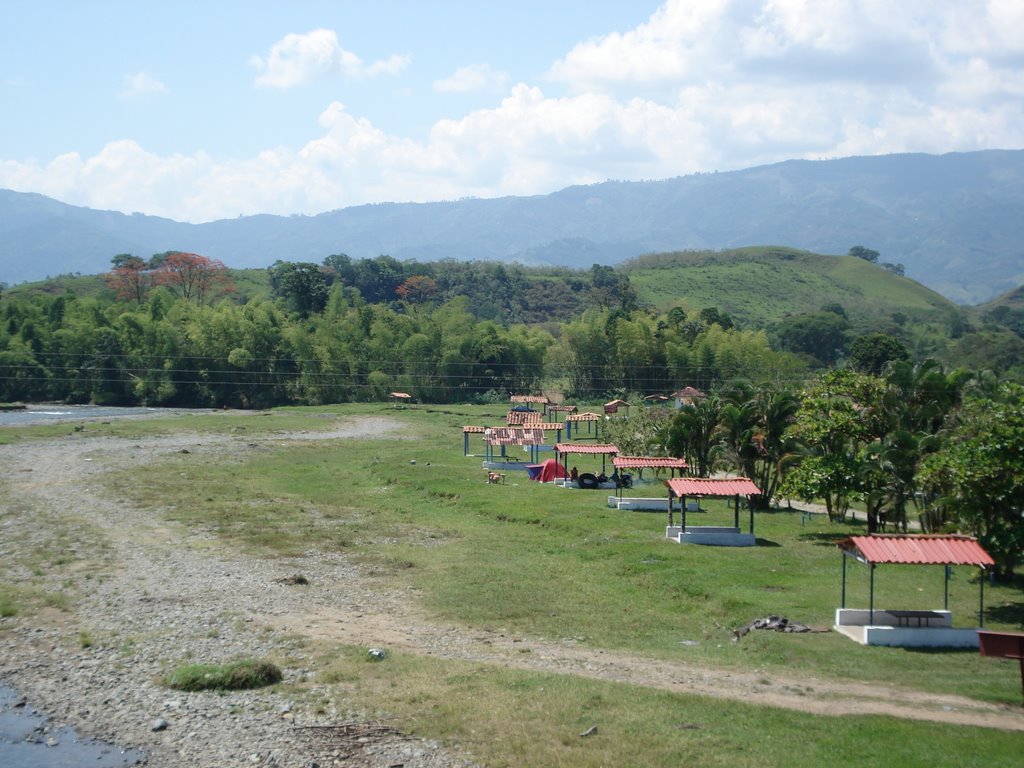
(955, 221)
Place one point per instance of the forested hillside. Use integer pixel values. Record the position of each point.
(182, 329)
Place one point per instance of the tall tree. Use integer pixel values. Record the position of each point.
(978, 474)
(130, 277)
(840, 412)
(191, 276)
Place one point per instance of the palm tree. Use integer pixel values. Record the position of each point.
(692, 434)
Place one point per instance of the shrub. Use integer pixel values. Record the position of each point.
(236, 675)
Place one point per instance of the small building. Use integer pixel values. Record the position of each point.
(687, 396)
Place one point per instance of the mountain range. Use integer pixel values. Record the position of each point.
(955, 222)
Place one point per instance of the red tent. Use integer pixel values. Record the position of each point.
(549, 470)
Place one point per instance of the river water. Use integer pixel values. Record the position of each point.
(29, 740)
(47, 413)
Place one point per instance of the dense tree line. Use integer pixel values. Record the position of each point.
(915, 443)
(173, 332)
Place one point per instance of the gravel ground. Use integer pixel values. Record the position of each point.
(157, 601)
(148, 595)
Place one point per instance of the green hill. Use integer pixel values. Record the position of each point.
(758, 286)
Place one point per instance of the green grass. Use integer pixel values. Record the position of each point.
(760, 285)
(516, 718)
(542, 562)
(233, 676)
(550, 562)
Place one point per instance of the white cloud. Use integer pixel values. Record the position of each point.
(141, 84)
(298, 59)
(700, 86)
(475, 77)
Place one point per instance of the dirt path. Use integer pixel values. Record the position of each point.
(157, 575)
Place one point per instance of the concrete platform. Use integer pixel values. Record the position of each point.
(710, 535)
(887, 630)
(655, 504)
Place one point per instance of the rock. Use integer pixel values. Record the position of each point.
(590, 731)
(159, 725)
(377, 654)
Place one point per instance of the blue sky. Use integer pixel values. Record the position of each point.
(206, 110)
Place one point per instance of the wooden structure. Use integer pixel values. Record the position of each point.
(611, 408)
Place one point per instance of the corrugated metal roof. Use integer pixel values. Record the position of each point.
(585, 448)
(588, 416)
(645, 462)
(688, 392)
(522, 417)
(529, 399)
(514, 436)
(561, 409)
(713, 486)
(923, 549)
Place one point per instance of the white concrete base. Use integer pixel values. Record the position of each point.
(511, 466)
(637, 502)
(710, 535)
(886, 630)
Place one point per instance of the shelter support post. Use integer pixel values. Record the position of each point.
(981, 612)
(842, 599)
(871, 596)
(682, 512)
(945, 590)
(750, 506)
(736, 512)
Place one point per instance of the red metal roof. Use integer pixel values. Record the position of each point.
(514, 436)
(403, 395)
(529, 399)
(585, 448)
(644, 462)
(522, 417)
(918, 548)
(587, 416)
(713, 486)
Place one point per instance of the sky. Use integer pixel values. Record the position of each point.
(208, 110)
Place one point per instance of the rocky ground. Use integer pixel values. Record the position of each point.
(160, 595)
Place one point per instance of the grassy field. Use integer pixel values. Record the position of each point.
(761, 285)
(545, 562)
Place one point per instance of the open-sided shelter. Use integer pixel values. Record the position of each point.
(911, 627)
(563, 450)
(721, 487)
(399, 398)
(530, 401)
(577, 421)
(530, 437)
(640, 463)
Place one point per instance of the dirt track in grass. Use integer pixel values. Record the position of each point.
(153, 575)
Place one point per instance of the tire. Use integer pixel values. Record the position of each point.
(588, 481)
